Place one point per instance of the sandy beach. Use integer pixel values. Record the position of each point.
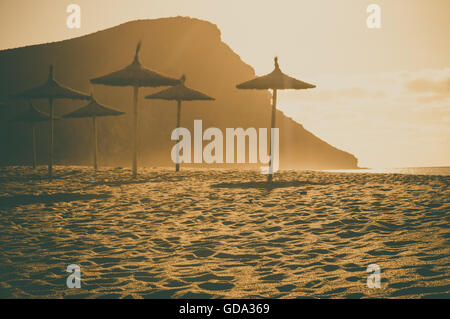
(221, 233)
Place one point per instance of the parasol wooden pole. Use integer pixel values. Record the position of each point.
(177, 165)
(50, 156)
(94, 127)
(135, 129)
(33, 136)
(272, 125)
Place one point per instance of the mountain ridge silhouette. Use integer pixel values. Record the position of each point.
(172, 46)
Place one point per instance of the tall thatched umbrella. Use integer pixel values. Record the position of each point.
(51, 90)
(276, 80)
(93, 110)
(136, 76)
(180, 93)
(32, 116)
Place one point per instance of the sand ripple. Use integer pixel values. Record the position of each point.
(222, 233)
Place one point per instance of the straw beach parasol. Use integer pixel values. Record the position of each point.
(93, 110)
(32, 116)
(136, 76)
(51, 90)
(180, 93)
(276, 80)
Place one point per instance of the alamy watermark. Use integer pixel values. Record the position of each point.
(213, 152)
(374, 280)
(374, 19)
(74, 19)
(74, 279)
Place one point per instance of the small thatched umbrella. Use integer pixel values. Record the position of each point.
(136, 76)
(180, 93)
(51, 90)
(32, 116)
(93, 110)
(276, 80)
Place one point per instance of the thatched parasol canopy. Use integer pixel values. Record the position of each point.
(136, 76)
(31, 115)
(180, 93)
(51, 89)
(276, 80)
(93, 110)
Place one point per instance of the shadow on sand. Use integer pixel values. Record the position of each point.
(12, 201)
(264, 184)
(39, 175)
(121, 181)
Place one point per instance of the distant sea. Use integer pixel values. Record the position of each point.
(444, 170)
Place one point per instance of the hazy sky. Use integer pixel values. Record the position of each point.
(382, 94)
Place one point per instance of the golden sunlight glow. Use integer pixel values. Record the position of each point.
(365, 102)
